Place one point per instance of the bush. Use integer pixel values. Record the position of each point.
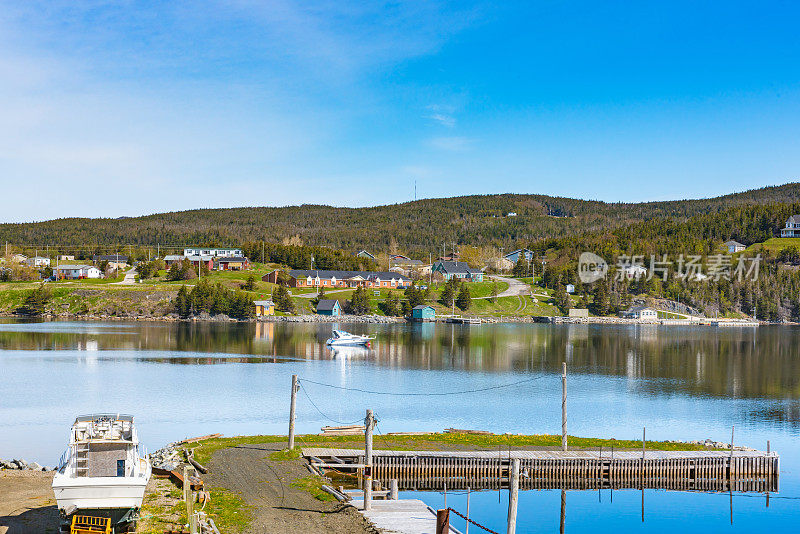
(36, 301)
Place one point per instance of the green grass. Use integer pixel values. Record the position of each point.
(204, 450)
(313, 485)
(285, 455)
(774, 245)
(229, 511)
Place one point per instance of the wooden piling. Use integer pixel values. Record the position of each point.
(292, 405)
(564, 406)
(513, 497)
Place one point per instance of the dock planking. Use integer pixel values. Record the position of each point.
(405, 516)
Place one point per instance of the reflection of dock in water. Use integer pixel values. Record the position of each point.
(745, 471)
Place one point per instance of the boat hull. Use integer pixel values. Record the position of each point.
(348, 343)
(98, 492)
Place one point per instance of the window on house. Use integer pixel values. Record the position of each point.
(120, 468)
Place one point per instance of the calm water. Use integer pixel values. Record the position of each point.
(186, 380)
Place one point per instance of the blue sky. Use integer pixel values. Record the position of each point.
(111, 108)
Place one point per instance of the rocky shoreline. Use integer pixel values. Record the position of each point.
(22, 465)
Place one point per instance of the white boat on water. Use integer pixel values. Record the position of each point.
(342, 338)
(102, 470)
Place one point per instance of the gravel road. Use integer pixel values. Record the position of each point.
(279, 508)
(27, 504)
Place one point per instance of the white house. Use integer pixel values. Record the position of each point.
(570, 288)
(38, 261)
(77, 272)
(733, 246)
(640, 312)
(634, 272)
(214, 252)
(792, 228)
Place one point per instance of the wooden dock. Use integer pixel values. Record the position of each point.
(406, 516)
(745, 471)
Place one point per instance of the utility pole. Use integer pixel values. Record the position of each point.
(292, 405)
(564, 406)
(369, 422)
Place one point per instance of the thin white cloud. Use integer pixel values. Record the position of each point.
(444, 120)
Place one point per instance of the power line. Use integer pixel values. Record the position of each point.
(323, 414)
(435, 394)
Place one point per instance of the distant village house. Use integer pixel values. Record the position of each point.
(264, 308)
(115, 261)
(38, 261)
(457, 269)
(321, 278)
(792, 228)
(77, 272)
(329, 307)
(639, 312)
(734, 246)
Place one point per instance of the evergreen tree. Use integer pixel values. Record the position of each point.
(282, 299)
(464, 299)
(359, 302)
(449, 292)
(562, 299)
(601, 303)
(391, 306)
(495, 293)
(182, 305)
(250, 283)
(414, 295)
(521, 268)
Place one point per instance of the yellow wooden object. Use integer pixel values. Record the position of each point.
(87, 524)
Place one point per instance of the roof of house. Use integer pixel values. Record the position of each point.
(174, 257)
(327, 304)
(422, 307)
(405, 261)
(263, 303)
(74, 267)
(519, 251)
(793, 219)
(365, 253)
(110, 257)
(453, 267)
(345, 275)
(733, 243)
(232, 259)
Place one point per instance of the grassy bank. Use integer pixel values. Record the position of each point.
(439, 441)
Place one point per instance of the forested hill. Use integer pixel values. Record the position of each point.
(424, 224)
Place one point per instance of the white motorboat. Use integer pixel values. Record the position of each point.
(342, 338)
(102, 471)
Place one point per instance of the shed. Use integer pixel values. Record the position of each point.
(264, 307)
(329, 307)
(423, 312)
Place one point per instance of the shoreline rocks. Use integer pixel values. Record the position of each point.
(18, 464)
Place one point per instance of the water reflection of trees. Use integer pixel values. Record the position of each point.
(747, 363)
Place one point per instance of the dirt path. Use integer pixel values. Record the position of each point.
(515, 287)
(277, 507)
(27, 504)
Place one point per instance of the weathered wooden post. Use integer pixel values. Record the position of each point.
(291, 411)
(641, 469)
(368, 423)
(513, 497)
(563, 510)
(187, 485)
(394, 492)
(564, 406)
(443, 521)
